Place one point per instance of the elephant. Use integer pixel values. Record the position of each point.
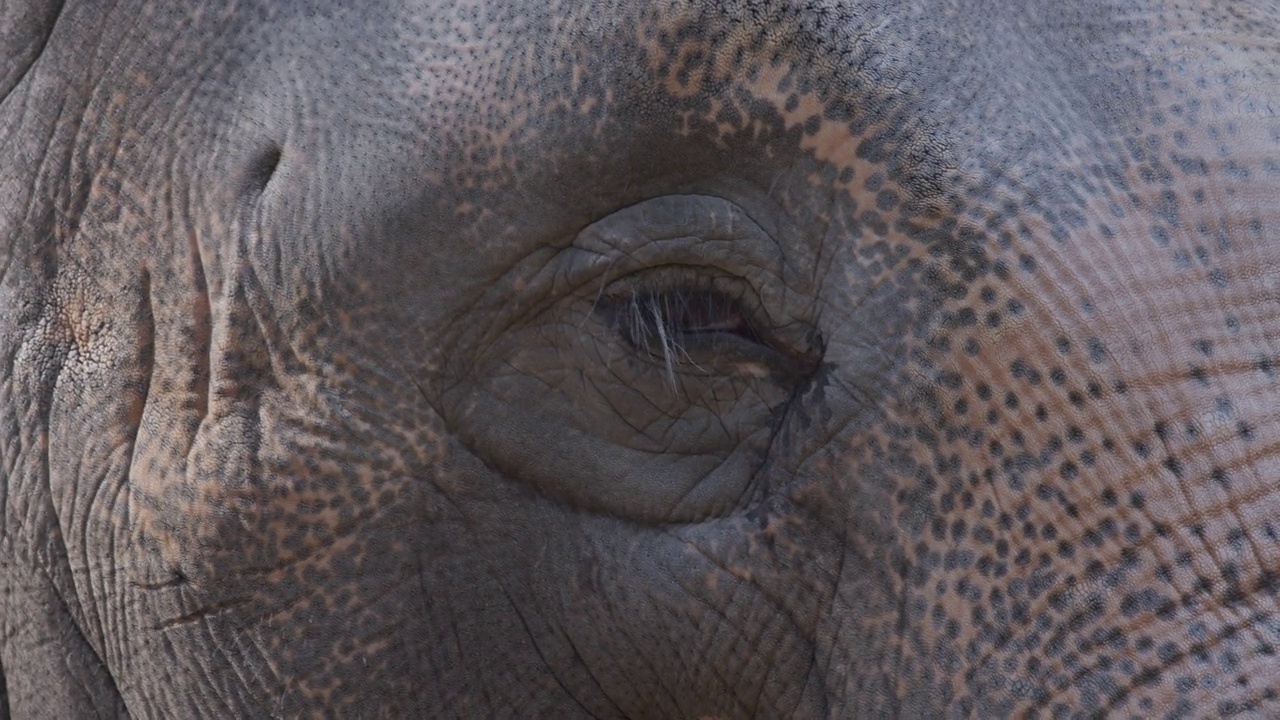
(639, 358)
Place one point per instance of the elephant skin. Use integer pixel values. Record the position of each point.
(636, 358)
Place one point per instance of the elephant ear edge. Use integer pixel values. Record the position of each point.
(25, 28)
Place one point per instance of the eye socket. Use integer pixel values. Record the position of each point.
(572, 389)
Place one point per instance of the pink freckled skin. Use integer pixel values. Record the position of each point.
(639, 359)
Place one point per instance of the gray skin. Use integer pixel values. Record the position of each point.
(639, 359)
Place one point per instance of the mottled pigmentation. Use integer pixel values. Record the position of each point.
(314, 398)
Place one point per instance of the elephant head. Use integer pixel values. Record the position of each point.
(639, 358)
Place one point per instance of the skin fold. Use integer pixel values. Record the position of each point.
(639, 359)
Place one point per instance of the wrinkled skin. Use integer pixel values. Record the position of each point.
(333, 371)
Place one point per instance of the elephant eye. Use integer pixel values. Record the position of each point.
(687, 321)
(667, 324)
